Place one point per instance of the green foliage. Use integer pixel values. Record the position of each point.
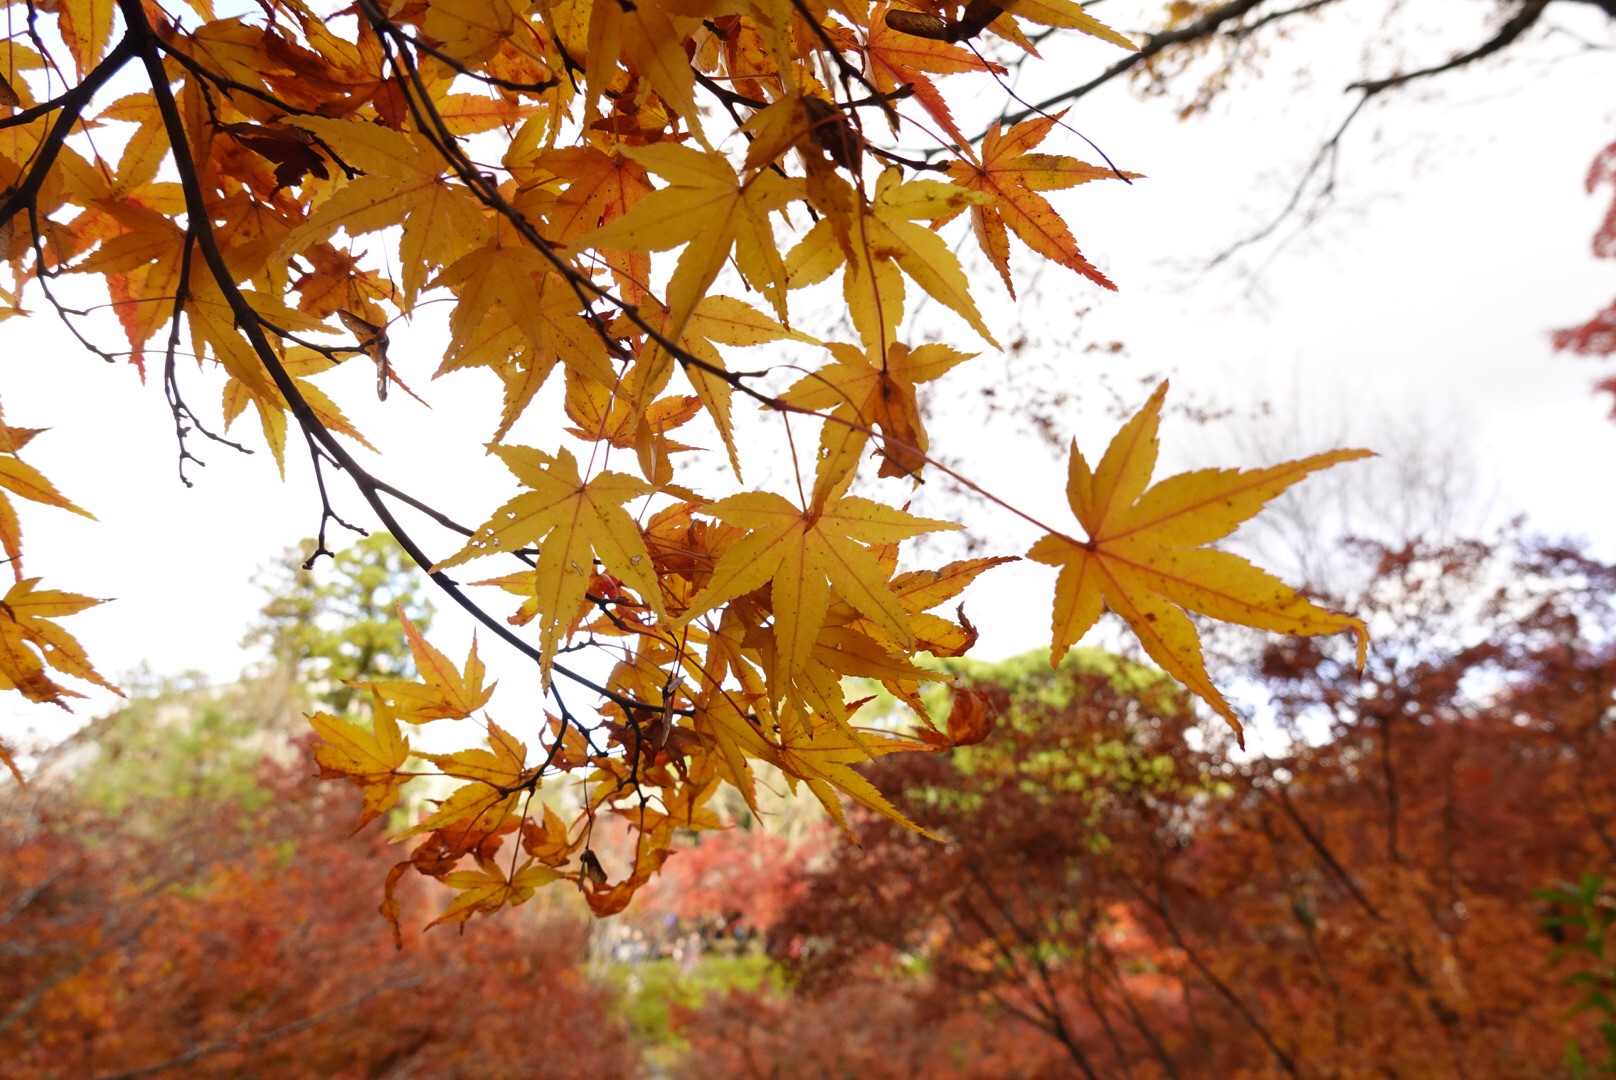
(176, 752)
(1582, 918)
(341, 625)
(180, 749)
(1027, 679)
(650, 994)
(1036, 755)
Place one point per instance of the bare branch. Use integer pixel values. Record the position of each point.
(1206, 25)
(1518, 24)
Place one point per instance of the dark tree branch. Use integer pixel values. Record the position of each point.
(72, 106)
(185, 420)
(34, 112)
(228, 85)
(1205, 26)
(1120, 988)
(1217, 20)
(1163, 911)
(1326, 856)
(1246, 30)
(1522, 21)
(250, 325)
(477, 76)
(1326, 158)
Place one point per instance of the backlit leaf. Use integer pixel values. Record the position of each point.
(1145, 561)
(370, 759)
(574, 522)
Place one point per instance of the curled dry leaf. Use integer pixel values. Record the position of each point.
(971, 716)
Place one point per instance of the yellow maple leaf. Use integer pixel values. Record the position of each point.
(648, 37)
(577, 522)
(715, 320)
(300, 363)
(806, 554)
(600, 416)
(825, 762)
(731, 739)
(475, 807)
(549, 843)
(1067, 16)
(445, 694)
(874, 389)
(22, 479)
(485, 890)
(469, 114)
(502, 766)
(883, 235)
(1145, 560)
(843, 651)
(919, 591)
(1012, 178)
(470, 30)
(509, 277)
(86, 28)
(403, 184)
(518, 318)
(28, 637)
(369, 759)
(708, 208)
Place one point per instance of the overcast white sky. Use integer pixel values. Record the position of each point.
(1460, 239)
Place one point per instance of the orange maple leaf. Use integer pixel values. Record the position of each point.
(602, 188)
(29, 640)
(898, 59)
(22, 479)
(1011, 178)
(403, 184)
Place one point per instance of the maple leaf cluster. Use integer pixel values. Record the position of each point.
(30, 639)
(577, 180)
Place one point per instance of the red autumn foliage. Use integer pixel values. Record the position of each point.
(1358, 905)
(1597, 336)
(745, 876)
(239, 946)
(868, 1029)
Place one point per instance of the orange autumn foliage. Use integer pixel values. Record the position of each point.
(238, 945)
(871, 1030)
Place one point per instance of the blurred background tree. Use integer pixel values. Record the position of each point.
(338, 624)
(233, 943)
